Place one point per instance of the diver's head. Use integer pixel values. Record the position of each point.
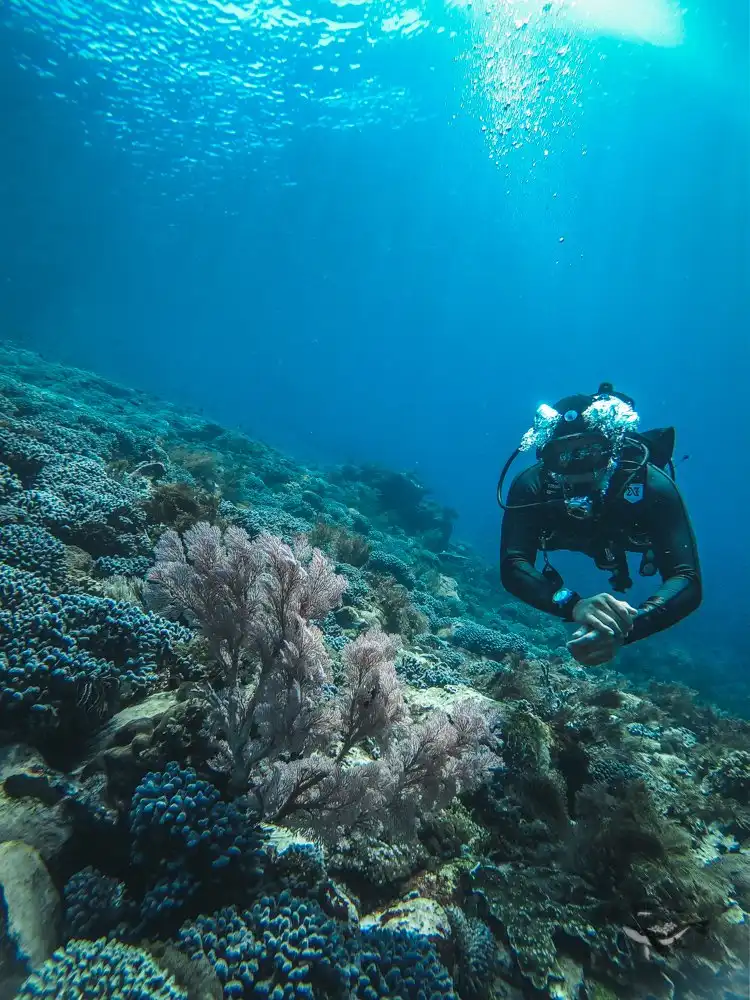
(579, 440)
(574, 449)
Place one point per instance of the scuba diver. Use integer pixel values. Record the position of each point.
(601, 488)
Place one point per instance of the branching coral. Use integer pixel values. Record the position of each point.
(251, 600)
(83, 505)
(345, 546)
(486, 641)
(284, 947)
(284, 735)
(100, 970)
(388, 564)
(33, 549)
(180, 505)
(399, 614)
(401, 963)
(185, 840)
(69, 661)
(94, 903)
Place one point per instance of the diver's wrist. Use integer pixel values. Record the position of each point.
(565, 600)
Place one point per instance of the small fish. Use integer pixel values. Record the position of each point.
(661, 937)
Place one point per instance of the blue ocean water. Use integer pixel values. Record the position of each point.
(385, 231)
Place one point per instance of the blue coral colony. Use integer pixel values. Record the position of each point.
(267, 734)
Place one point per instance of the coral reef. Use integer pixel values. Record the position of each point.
(100, 970)
(93, 904)
(477, 954)
(260, 718)
(71, 660)
(188, 842)
(34, 549)
(282, 947)
(401, 963)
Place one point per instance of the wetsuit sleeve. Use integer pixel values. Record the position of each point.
(676, 553)
(519, 546)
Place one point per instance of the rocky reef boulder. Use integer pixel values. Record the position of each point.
(41, 824)
(29, 914)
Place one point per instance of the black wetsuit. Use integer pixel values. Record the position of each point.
(648, 515)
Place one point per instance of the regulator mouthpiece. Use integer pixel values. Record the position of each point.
(579, 507)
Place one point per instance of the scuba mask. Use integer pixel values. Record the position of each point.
(577, 454)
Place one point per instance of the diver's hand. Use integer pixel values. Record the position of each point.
(605, 614)
(592, 648)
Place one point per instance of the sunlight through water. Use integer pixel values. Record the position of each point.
(205, 80)
(655, 22)
(191, 86)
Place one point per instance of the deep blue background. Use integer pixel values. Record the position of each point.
(404, 298)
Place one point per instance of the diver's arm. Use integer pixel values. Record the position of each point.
(519, 545)
(676, 554)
